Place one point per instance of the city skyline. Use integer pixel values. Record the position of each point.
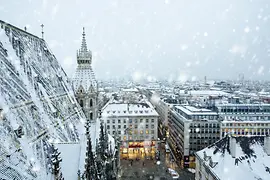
(165, 39)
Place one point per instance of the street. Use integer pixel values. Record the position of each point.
(147, 169)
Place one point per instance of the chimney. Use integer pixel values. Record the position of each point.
(267, 145)
(233, 146)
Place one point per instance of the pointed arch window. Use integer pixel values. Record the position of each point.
(91, 102)
(81, 103)
(91, 116)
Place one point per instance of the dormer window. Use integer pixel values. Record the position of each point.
(136, 111)
(108, 112)
(146, 111)
(114, 112)
(125, 111)
(141, 112)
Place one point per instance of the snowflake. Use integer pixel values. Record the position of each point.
(260, 70)
(247, 29)
(184, 47)
(257, 28)
(167, 1)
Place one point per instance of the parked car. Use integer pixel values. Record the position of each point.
(167, 148)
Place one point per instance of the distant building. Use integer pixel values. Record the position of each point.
(84, 82)
(191, 129)
(136, 124)
(235, 158)
(244, 119)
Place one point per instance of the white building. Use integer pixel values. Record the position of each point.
(135, 123)
(235, 158)
(84, 82)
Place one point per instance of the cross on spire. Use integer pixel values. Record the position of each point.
(42, 32)
(84, 45)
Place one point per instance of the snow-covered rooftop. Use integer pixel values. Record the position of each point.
(128, 109)
(73, 154)
(190, 110)
(238, 158)
(85, 77)
(38, 104)
(206, 92)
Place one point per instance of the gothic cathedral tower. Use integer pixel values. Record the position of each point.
(84, 82)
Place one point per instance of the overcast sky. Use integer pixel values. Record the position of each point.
(179, 39)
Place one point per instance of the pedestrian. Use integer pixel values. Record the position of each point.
(143, 163)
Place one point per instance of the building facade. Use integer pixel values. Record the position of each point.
(191, 129)
(84, 82)
(136, 124)
(244, 119)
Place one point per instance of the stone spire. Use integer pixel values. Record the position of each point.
(84, 56)
(84, 45)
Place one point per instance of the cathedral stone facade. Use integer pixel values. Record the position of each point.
(84, 82)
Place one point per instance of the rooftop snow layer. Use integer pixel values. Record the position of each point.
(85, 77)
(128, 109)
(38, 105)
(251, 162)
(77, 151)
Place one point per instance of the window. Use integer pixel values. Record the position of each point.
(130, 120)
(119, 126)
(108, 127)
(152, 131)
(125, 126)
(119, 120)
(125, 121)
(81, 103)
(91, 116)
(147, 131)
(113, 132)
(124, 138)
(136, 120)
(141, 131)
(141, 120)
(113, 126)
(152, 126)
(147, 120)
(108, 121)
(113, 121)
(152, 120)
(91, 102)
(146, 126)
(119, 132)
(136, 126)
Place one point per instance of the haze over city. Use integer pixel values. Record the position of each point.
(161, 39)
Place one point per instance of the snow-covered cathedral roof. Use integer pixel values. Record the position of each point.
(84, 76)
